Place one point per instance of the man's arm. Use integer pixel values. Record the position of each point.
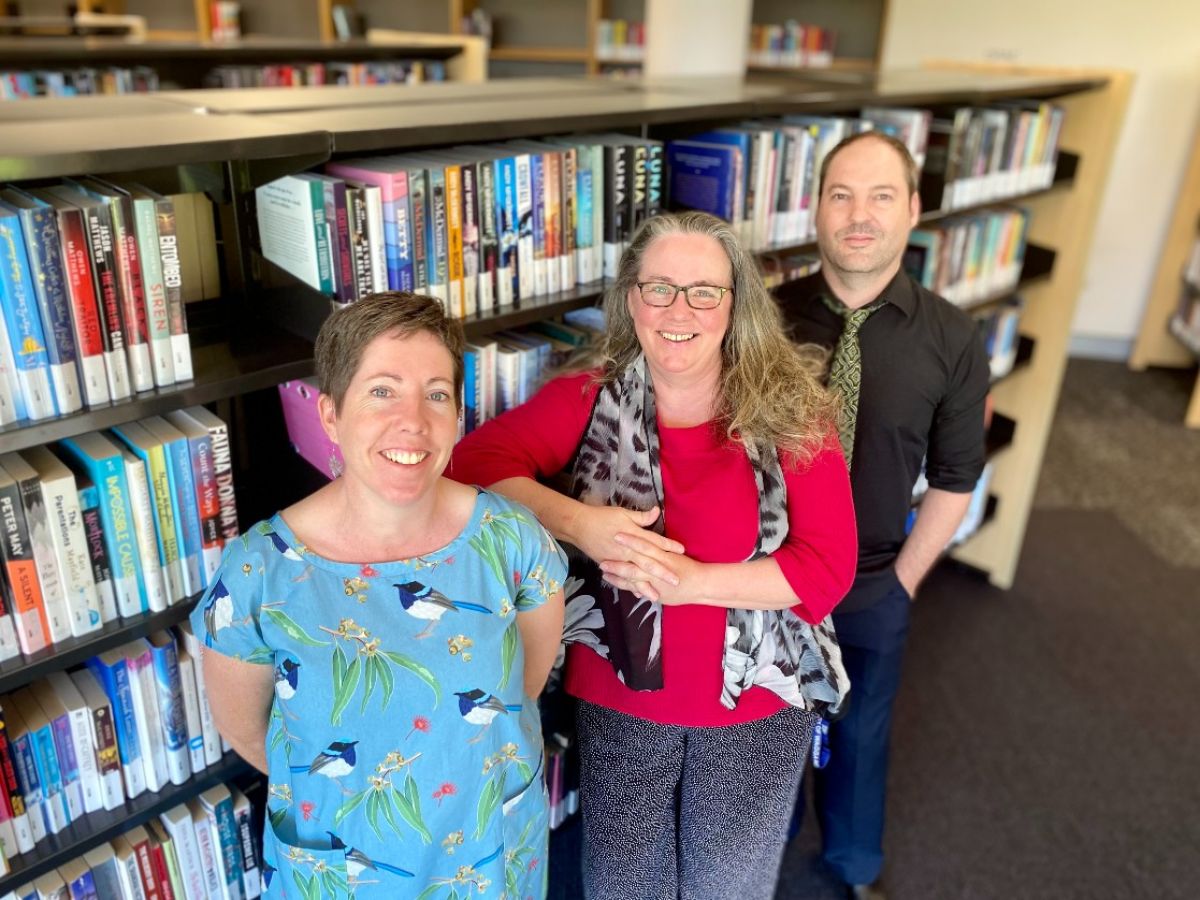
(940, 514)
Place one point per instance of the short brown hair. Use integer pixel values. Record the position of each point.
(346, 333)
(912, 173)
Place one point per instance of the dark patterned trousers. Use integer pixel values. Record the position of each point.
(676, 813)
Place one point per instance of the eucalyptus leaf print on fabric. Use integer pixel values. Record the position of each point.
(399, 731)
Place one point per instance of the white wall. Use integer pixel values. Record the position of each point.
(1157, 40)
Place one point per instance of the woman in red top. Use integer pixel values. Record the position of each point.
(711, 510)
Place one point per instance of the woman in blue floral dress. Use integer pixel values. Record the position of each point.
(377, 648)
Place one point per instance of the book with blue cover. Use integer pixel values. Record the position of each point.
(169, 688)
(39, 225)
(24, 756)
(703, 176)
(111, 671)
(14, 796)
(218, 805)
(183, 499)
(101, 460)
(23, 322)
(45, 760)
(63, 744)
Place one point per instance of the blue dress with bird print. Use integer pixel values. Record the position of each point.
(405, 760)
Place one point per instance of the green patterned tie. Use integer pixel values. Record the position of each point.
(845, 372)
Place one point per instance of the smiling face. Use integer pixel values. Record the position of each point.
(678, 340)
(399, 417)
(865, 212)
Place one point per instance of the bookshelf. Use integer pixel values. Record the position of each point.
(1156, 345)
(256, 334)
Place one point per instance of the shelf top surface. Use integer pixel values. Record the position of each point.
(88, 107)
(90, 50)
(320, 97)
(55, 147)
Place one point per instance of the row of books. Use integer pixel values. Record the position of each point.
(325, 73)
(619, 40)
(989, 153)
(779, 268)
(94, 277)
(22, 85)
(764, 176)
(791, 45)
(111, 525)
(475, 226)
(187, 853)
(135, 719)
(970, 257)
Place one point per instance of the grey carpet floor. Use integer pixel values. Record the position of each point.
(1046, 741)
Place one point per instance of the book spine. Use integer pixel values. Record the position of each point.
(93, 534)
(158, 316)
(187, 512)
(637, 191)
(24, 324)
(145, 867)
(208, 725)
(508, 233)
(251, 878)
(438, 240)
(207, 842)
(376, 230)
(337, 210)
(14, 799)
(24, 761)
(356, 210)
(137, 331)
(542, 244)
(419, 227)
(83, 887)
(322, 233)
(178, 824)
(616, 205)
(162, 872)
(470, 237)
(12, 401)
(144, 690)
(170, 705)
(172, 275)
(230, 841)
(191, 711)
(552, 202)
(54, 600)
(570, 217)
(152, 585)
(223, 466)
(79, 722)
(91, 340)
(29, 612)
(207, 503)
(50, 290)
(63, 745)
(585, 235)
(155, 527)
(654, 179)
(104, 265)
(103, 731)
(523, 192)
(70, 547)
(489, 243)
(455, 287)
(115, 680)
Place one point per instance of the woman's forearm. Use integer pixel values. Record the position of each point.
(744, 585)
(557, 512)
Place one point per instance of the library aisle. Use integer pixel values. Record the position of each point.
(1045, 737)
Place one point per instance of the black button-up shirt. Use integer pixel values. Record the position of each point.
(924, 384)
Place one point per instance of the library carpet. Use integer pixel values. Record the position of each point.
(1045, 737)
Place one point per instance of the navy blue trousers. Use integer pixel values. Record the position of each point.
(850, 791)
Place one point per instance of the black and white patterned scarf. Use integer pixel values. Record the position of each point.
(618, 465)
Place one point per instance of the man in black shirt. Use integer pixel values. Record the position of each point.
(914, 377)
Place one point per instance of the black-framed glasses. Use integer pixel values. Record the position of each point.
(698, 296)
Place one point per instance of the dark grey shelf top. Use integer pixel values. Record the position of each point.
(55, 147)
(274, 100)
(93, 829)
(259, 359)
(16, 673)
(106, 51)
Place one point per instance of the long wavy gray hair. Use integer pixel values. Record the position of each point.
(771, 390)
